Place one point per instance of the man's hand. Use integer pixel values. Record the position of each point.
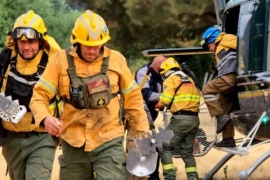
(158, 108)
(130, 144)
(53, 126)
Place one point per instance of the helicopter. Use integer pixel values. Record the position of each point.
(249, 21)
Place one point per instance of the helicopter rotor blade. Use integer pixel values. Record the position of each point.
(175, 51)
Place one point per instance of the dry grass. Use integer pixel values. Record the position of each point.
(204, 164)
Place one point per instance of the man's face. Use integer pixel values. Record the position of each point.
(28, 48)
(212, 47)
(90, 53)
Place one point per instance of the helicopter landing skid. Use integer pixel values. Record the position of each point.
(249, 139)
(242, 149)
(243, 175)
(210, 175)
(248, 142)
(233, 150)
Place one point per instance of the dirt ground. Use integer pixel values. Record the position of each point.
(205, 163)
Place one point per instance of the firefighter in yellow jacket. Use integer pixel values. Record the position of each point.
(28, 148)
(88, 77)
(182, 99)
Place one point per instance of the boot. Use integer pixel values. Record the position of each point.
(228, 142)
(169, 174)
(222, 120)
(192, 176)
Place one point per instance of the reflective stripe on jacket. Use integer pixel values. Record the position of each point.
(91, 127)
(186, 98)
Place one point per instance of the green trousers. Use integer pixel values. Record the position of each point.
(184, 128)
(106, 162)
(29, 156)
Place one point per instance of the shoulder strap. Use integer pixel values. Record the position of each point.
(71, 67)
(145, 78)
(43, 62)
(4, 62)
(178, 87)
(105, 65)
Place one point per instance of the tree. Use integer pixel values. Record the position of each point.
(137, 25)
(58, 17)
(134, 25)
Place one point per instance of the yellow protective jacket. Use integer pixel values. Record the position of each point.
(187, 97)
(225, 54)
(226, 42)
(91, 127)
(28, 67)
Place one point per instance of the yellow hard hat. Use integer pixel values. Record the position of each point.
(90, 29)
(169, 63)
(29, 26)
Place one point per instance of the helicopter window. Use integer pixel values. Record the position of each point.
(252, 36)
(251, 57)
(244, 42)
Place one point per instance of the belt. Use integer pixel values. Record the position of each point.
(12, 134)
(188, 113)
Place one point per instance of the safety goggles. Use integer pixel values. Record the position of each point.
(29, 33)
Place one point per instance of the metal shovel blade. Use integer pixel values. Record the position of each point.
(139, 165)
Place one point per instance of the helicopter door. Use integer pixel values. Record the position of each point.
(251, 56)
(244, 27)
(252, 34)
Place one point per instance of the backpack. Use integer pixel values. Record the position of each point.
(4, 62)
